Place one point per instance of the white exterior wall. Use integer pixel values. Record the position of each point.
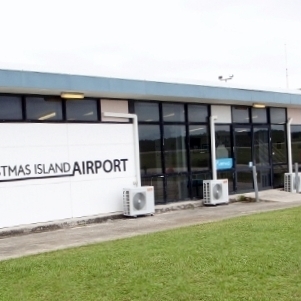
(27, 196)
(295, 114)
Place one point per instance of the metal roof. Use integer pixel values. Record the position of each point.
(13, 81)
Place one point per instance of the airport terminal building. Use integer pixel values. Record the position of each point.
(69, 143)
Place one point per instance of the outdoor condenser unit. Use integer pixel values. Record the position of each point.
(138, 201)
(215, 192)
(290, 182)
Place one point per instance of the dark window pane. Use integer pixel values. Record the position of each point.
(244, 181)
(277, 115)
(263, 178)
(296, 143)
(279, 151)
(226, 175)
(46, 109)
(197, 113)
(259, 115)
(222, 141)
(150, 149)
(278, 175)
(199, 147)
(197, 184)
(10, 108)
(147, 111)
(240, 114)
(243, 147)
(173, 112)
(158, 187)
(82, 110)
(177, 188)
(261, 146)
(175, 150)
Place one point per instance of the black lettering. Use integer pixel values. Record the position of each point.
(28, 171)
(97, 165)
(84, 167)
(124, 163)
(76, 168)
(40, 171)
(51, 168)
(44, 170)
(105, 168)
(58, 167)
(67, 167)
(12, 170)
(117, 165)
(90, 166)
(21, 170)
(3, 169)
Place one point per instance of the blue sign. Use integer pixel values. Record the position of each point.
(224, 163)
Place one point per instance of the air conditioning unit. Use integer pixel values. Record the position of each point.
(138, 201)
(215, 192)
(290, 182)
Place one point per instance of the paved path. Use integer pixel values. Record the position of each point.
(17, 246)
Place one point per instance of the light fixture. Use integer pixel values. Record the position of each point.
(258, 105)
(47, 116)
(72, 95)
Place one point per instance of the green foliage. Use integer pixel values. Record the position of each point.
(249, 258)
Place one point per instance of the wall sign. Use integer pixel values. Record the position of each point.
(224, 163)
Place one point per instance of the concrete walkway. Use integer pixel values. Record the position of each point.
(167, 217)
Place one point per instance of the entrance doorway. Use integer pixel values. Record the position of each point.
(252, 144)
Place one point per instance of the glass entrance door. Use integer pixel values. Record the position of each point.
(262, 155)
(252, 144)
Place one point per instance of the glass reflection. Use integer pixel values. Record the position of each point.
(150, 149)
(199, 147)
(279, 149)
(10, 108)
(147, 111)
(177, 188)
(261, 146)
(175, 150)
(173, 112)
(43, 109)
(243, 146)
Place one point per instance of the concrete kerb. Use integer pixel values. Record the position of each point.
(84, 221)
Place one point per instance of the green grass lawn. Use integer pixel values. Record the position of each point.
(249, 258)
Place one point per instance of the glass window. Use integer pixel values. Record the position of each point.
(173, 112)
(147, 111)
(243, 147)
(244, 180)
(263, 178)
(226, 175)
(197, 184)
(279, 151)
(296, 143)
(197, 113)
(175, 150)
(177, 188)
(278, 178)
(240, 114)
(259, 115)
(277, 115)
(43, 108)
(223, 141)
(82, 110)
(10, 108)
(158, 183)
(199, 147)
(150, 149)
(261, 146)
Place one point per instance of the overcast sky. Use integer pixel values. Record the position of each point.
(169, 40)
